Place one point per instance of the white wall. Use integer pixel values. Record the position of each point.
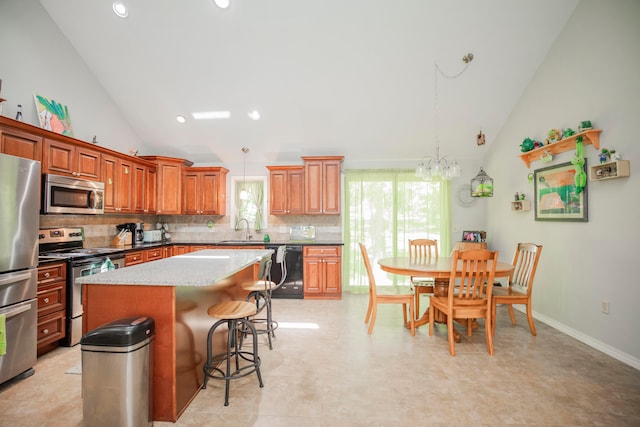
(36, 57)
(591, 73)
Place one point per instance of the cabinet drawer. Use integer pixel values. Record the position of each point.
(133, 258)
(51, 298)
(322, 251)
(51, 273)
(51, 328)
(152, 254)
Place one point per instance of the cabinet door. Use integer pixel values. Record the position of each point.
(58, 158)
(296, 191)
(125, 182)
(190, 205)
(139, 188)
(20, 144)
(313, 187)
(169, 188)
(286, 190)
(332, 275)
(331, 187)
(88, 164)
(278, 192)
(312, 275)
(209, 193)
(151, 183)
(109, 174)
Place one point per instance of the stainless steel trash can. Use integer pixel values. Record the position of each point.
(117, 370)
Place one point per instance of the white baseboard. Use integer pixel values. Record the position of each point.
(607, 349)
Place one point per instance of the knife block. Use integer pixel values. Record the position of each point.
(122, 240)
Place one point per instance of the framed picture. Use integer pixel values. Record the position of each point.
(473, 236)
(53, 116)
(556, 198)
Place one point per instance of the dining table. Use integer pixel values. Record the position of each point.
(439, 269)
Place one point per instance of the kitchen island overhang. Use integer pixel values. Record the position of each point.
(176, 292)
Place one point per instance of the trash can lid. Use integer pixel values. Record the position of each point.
(121, 333)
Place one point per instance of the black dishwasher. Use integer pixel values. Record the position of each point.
(292, 286)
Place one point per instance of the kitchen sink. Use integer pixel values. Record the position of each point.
(242, 242)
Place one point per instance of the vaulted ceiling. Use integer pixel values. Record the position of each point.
(350, 77)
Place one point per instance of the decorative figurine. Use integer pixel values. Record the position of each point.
(527, 145)
(480, 139)
(605, 155)
(552, 136)
(580, 177)
(569, 132)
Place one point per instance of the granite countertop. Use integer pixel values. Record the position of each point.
(201, 268)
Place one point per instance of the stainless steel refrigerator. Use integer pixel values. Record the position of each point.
(19, 224)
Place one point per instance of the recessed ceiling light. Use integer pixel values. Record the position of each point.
(120, 9)
(222, 4)
(206, 115)
(181, 119)
(254, 115)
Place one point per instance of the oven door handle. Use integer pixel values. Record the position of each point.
(11, 278)
(16, 311)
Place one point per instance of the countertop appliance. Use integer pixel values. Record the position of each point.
(67, 195)
(138, 236)
(152, 236)
(292, 288)
(66, 244)
(19, 209)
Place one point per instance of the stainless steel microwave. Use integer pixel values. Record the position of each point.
(66, 195)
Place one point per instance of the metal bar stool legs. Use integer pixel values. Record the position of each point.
(238, 327)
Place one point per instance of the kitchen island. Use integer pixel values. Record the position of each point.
(176, 292)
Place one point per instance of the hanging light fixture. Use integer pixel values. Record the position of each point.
(244, 195)
(430, 166)
(482, 185)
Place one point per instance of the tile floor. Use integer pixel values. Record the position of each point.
(337, 375)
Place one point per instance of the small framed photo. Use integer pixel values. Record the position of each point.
(473, 236)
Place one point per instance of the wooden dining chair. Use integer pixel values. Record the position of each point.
(469, 294)
(518, 290)
(422, 250)
(375, 297)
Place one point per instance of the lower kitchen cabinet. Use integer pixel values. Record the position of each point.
(152, 254)
(133, 258)
(52, 287)
(322, 272)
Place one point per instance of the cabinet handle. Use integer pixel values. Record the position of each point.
(45, 331)
(46, 300)
(47, 275)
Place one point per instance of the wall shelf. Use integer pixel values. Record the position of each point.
(521, 205)
(588, 137)
(609, 170)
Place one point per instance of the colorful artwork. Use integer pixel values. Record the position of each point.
(557, 198)
(53, 116)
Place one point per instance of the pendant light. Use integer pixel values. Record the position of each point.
(436, 166)
(244, 195)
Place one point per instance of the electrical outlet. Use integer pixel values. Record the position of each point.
(604, 307)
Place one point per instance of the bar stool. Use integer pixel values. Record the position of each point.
(260, 291)
(235, 314)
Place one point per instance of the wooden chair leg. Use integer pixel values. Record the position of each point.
(412, 320)
(404, 314)
(374, 312)
(366, 319)
(493, 318)
(511, 314)
(450, 337)
(530, 318)
(488, 334)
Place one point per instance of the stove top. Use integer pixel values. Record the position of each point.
(67, 243)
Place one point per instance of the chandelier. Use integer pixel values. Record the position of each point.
(435, 166)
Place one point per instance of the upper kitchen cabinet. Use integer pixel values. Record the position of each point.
(322, 185)
(204, 191)
(66, 158)
(286, 190)
(20, 143)
(169, 175)
(118, 178)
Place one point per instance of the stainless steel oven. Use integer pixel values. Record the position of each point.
(66, 195)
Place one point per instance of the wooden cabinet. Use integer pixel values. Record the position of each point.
(77, 160)
(180, 249)
(322, 185)
(167, 252)
(322, 272)
(117, 174)
(133, 258)
(21, 144)
(52, 286)
(151, 188)
(204, 191)
(168, 183)
(286, 190)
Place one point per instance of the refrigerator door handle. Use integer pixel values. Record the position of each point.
(10, 278)
(16, 311)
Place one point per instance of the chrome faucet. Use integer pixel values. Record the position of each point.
(247, 235)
